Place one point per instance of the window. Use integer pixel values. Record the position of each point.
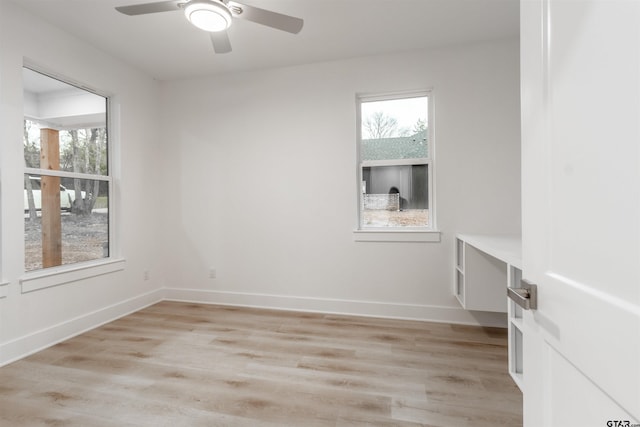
(66, 176)
(395, 163)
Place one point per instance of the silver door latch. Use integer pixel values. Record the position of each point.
(526, 296)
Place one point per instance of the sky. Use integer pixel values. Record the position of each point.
(406, 111)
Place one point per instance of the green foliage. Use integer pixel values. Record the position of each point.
(102, 202)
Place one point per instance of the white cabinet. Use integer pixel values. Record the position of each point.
(515, 329)
(485, 266)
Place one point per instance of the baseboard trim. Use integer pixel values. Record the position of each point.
(24, 346)
(338, 306)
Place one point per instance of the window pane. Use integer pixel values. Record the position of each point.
(77, 116)
(77, 231)
(395, 196)
(66, 134)
(394, 162)
(394, 129)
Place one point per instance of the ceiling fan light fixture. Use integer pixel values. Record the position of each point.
(208, 15)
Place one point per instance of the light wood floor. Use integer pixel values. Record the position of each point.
(179, 364)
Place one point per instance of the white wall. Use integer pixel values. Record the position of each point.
(284, 140)
(32, 320)
(187, 155)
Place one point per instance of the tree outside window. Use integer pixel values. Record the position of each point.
(66, 179)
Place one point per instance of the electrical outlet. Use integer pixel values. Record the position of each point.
(212, 273)
(146, 275)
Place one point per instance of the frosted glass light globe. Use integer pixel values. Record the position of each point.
(208, 15)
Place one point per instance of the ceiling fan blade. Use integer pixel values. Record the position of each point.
(271, 19)
(221, 43)
(142, 9)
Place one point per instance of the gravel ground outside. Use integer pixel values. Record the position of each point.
(406, 218)
(83, 239)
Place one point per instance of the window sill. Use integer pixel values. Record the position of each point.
(55, 276)
(426, 236)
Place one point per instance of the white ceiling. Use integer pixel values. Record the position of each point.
(166, 46)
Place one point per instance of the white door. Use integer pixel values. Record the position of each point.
(580, 65)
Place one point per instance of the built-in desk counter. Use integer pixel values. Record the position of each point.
(485, 266)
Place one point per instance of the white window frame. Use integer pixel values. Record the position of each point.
(68, 273)
(427, 233)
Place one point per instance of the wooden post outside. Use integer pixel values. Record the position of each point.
(50, 195)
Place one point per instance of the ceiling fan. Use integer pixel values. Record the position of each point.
(214, 16)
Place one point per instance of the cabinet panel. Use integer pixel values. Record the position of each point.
(460, 286)
(516, 367)
(485, 281)
(460, 254)
(515, 276)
